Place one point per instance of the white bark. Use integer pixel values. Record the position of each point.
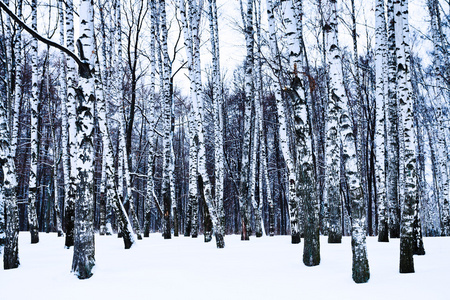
(19, 54)
(63, 96)
(281, 110)
(218, 120)
(32, 214)
(84, 248)
(381, 94)
(72, 131)
(408, 138)
(392, 148)
(168, 133)
(439, 103)
(8, 195)
(339, 101)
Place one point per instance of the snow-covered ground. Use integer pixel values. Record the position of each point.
(186, 268)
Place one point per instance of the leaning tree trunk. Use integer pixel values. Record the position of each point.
(381, 87)
(283, 134)
(339, 99)
(84, 248)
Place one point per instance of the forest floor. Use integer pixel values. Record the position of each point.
(187, 268)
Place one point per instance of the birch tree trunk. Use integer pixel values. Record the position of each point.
(192, 44)
(339, 101)
(63, 96)
(32, 214)
(332, 147)
(8, 81)
(102, 88)
(218, 124)
(19, 57)
(442, 152)
(408, 136)
(167, 98)
(72, 129)
(303, 134)
(283, 134)
(8, 195)
(84, 248)
(245, 162)
(151, 196)
(392, 129)
(381, 89)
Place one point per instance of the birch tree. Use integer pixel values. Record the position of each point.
(332, 147)
(8, 195)
(32, 215)
(218, 124)
(338, 101)
(303, 138)
(168, 133)
(392, 129)
(71, 160)
(440, 86)
(245, 162)
(408, 135)
(381, 94)
(283, 130)
(151, 196)
(63, 96)
(84, 248)
(192, 45)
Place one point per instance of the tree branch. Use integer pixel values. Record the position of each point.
(36, 35)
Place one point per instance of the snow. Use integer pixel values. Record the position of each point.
(187, 268)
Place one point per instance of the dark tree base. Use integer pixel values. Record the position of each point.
(220, 242)
(406, 255)
(360, 271)
(334, 238)
(295, 238)
(208, 236)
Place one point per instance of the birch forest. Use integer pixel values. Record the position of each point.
(123, 117)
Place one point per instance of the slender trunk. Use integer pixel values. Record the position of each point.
(151, 196)
(167, 99)
(32, 214)
(408, 137)
(218, 125)
(381, 88)
(392, 130)
(283, 130)
(69, 209)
